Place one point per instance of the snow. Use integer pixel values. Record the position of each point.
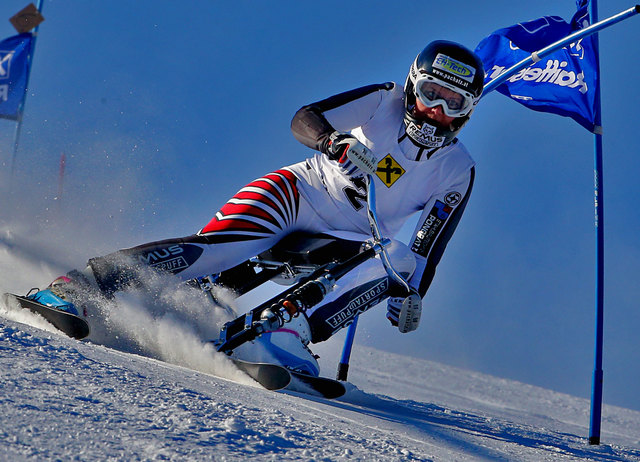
(147, 386)
(68, 400)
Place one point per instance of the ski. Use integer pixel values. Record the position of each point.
(275, 377)
(69, 324)
(318, 386)
(270, 376)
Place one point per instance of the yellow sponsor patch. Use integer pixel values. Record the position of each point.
(389, 171)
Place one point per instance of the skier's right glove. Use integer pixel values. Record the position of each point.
(404, 312)
(345, 148)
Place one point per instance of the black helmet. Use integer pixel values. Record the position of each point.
(454, 67)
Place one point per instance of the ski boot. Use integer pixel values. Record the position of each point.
(62, 292)
(286, 346)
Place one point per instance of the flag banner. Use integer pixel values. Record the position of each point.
(563, 82)
(14, 64)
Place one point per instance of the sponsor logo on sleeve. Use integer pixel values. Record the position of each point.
(453, 198)
(173, 258)
(430, 228)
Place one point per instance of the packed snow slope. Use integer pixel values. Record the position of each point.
(68, 400)
(146, 385)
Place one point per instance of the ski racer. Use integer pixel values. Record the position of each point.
(405, 137)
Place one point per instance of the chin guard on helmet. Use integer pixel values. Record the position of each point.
(442, 66)
(424, 134)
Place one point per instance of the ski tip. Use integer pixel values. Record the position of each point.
(69, 324)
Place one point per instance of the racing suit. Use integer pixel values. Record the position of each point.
(322, 195)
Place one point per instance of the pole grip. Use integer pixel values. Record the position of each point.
(343, 371)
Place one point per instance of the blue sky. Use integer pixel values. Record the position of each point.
(165, 109)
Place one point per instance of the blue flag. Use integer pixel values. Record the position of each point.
(14, 65)
(563, 82)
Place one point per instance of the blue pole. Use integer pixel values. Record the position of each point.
(598, 374)
(343, 366)
(16, 136)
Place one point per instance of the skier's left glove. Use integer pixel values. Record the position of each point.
(404, 312)
(344, 146)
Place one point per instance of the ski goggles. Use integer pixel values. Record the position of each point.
(431, 94)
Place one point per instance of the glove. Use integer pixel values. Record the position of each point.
(343, 147)
(404, 312)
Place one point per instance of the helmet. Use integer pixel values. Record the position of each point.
(448, 74)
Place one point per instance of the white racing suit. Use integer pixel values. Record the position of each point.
(321, 195)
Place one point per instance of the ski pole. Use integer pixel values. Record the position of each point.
(343, 365)
(372, 215)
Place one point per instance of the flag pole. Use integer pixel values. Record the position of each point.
(16, 136)
(536, 56)
(598, 374)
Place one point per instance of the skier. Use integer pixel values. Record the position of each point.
(405, 137)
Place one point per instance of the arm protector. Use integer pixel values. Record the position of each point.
(311, 127)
